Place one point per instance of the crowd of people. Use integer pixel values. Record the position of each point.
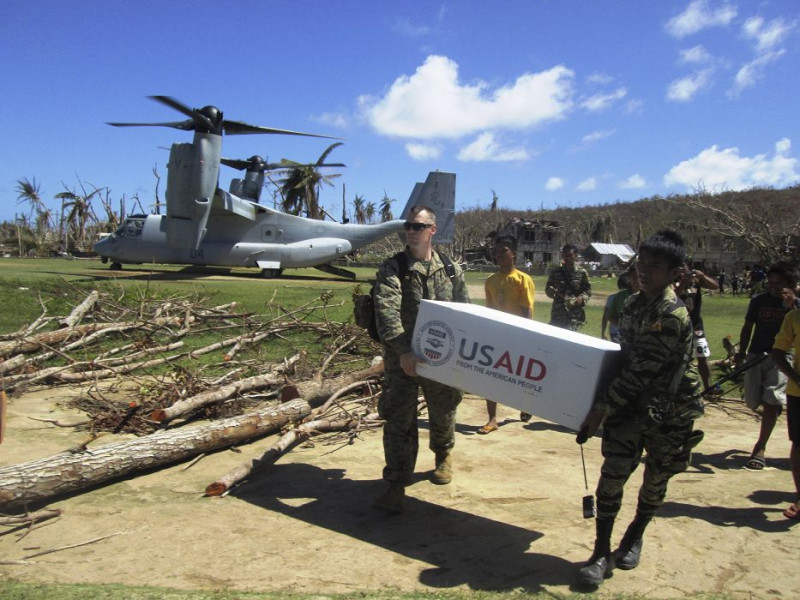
(647, 408)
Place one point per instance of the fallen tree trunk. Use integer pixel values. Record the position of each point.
(288, 441)
(183, 407)
(79, 311)
(64, 473)
(318, 390)
(49, 339)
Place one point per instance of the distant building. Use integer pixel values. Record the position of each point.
(712, 252)
(537, 241)
(608, 255)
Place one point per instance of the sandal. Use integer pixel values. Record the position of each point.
(487, 429)
(756, 463)
(792, 512)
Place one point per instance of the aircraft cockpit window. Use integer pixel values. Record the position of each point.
(131, 228)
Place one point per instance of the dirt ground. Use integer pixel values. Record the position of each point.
(511, 519)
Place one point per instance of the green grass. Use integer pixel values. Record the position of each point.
(10, 590)
(25, 281)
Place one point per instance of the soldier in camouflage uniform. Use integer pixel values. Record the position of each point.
(570, 290)
(651, 404)
(396, 306)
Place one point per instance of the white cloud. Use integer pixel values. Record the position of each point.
(596, 136)
(337, 120)
(634, 182)
(751, 72)
(486, 148)
(767, 37)
(405, 27)
(717, 170)
(423, 151)
(600, 102)
(685, 88)
(699, 15)
(634, 106)
(599, 79)
(433, 103)
(696, 54)
(555, 183)
(587, 185)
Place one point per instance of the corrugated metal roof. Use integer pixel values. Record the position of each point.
(624, 251)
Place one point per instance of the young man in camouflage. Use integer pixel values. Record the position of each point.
(651, 404)
(396, 305)
(570, 290)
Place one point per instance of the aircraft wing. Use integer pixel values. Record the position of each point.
(227, 202)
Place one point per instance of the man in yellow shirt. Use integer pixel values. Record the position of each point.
(788, 339)
(511, 291)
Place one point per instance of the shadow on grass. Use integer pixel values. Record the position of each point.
(462, 548)
(141, 273)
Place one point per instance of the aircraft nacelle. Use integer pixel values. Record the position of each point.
(193, 171)
(248, 188)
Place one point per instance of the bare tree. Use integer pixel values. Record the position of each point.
(81, 213)
(760, 223)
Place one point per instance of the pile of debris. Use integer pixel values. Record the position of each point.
(138, 365)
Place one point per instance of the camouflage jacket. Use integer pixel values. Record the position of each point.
(656, 337)
(568, 286)
(397, 302)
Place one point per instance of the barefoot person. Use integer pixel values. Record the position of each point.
(511, 291)
(650, 405)
(788, 340)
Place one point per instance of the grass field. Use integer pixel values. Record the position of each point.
(28, 284)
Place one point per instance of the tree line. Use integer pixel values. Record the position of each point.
(765, 219)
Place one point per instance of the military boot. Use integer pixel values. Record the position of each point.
(601, 563)
(630, 548)
(443, 474)
(391, 500)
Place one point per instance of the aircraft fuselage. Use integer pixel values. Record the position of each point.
(272, 240)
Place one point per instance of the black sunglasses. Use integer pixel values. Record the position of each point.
(416, 226)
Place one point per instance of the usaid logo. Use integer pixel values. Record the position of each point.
(436, 342)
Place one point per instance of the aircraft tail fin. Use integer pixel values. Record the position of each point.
(439, 193)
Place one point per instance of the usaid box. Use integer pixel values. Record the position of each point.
(546, 371)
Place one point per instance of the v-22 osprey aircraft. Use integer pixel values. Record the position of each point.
(205, 225)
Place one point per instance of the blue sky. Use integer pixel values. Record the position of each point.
(546, 103)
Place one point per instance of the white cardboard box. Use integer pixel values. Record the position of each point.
(546, 371)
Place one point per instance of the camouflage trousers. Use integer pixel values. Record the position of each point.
(625, 439)
(571, 325)
(397, 406)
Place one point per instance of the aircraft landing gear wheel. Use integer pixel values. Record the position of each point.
(271, 273)
(116, 267)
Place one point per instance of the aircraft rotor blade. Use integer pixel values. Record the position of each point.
(243, 165)
(241, 128)
(175, 104)
(235, 163)
(184, 125)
